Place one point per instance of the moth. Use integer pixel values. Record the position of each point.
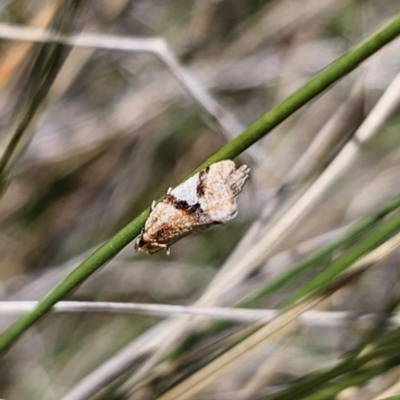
(207, 198)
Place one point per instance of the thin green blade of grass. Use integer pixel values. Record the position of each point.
(384, 349)
(322, 81)
(315, 258)
(355, 379)
(373, 240)
(376, 346)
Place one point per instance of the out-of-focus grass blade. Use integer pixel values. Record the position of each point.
(366, 245)
(381, 357)
(315, 258)
(47, 60)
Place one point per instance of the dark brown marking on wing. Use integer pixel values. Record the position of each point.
(169, 235)
(194, 209)
(183, 205)
(200, 186)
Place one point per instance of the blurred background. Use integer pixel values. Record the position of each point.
(105, 128)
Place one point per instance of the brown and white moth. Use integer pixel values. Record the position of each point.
(207, 198)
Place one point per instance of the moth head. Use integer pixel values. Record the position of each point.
(139, 242)
(150, 247)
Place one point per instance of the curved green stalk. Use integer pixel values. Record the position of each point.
(331, 74)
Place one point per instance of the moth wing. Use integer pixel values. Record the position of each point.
(167, 224)
(179, 235)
